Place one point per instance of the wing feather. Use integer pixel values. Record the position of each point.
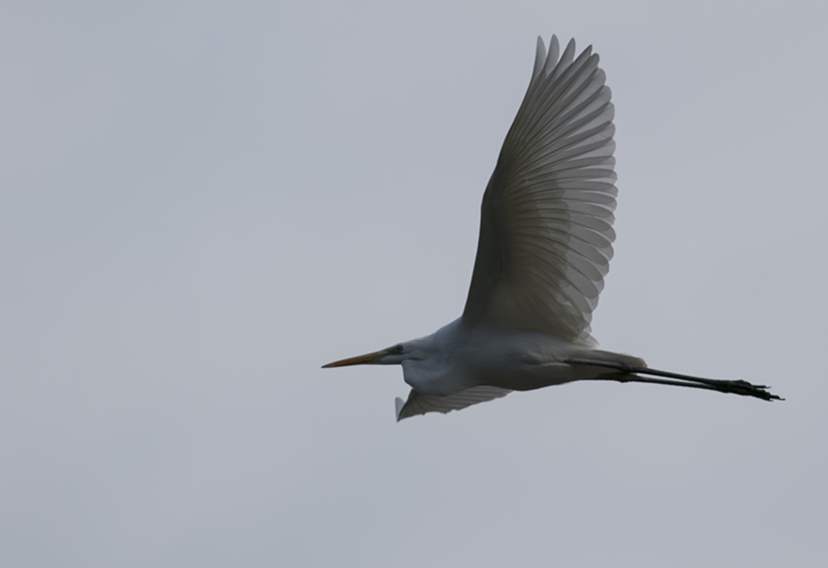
(419, 403)
(546, 219)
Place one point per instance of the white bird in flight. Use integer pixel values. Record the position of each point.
(544, 248)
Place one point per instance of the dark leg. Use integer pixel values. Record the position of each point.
(632, 374)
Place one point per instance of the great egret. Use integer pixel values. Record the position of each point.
(544, 248)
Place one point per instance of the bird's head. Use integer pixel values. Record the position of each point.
(394, 355)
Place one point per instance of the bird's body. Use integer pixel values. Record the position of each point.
(544, 248)
(461, 355)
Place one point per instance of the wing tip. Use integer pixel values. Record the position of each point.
(398, 406)
(540, 57)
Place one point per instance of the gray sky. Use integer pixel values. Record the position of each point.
(202, 204)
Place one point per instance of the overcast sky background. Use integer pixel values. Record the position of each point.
(202, 203)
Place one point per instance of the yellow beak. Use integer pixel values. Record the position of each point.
(358, 360)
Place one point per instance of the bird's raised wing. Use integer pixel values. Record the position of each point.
(546, 225)
(419, 403)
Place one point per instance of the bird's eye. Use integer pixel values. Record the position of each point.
(398, 349)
